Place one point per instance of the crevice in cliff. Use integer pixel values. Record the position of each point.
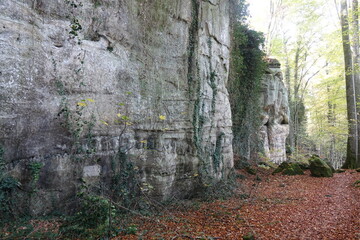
(193, 74)
(215, 38)
(195, 93)
(193, 42)
(212, 2)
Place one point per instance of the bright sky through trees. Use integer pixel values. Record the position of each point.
(259, 12)
(305, 36)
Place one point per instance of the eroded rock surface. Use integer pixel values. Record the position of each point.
(275, 115)
(80, 81)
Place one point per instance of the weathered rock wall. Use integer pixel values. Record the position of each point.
(81, 81)
(275, 115)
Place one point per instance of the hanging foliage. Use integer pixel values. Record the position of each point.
(246, 70)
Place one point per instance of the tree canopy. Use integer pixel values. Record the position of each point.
(317, 43)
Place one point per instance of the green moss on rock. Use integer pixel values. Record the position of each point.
(290, 169)
(319, 168)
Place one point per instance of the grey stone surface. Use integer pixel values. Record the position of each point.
(92, 171)
(64, 97)
(275, 115)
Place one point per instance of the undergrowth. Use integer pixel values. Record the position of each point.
(92, 220)
(221, 190)
(8, 185)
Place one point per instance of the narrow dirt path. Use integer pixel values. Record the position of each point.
(279, 207)
(303, 207)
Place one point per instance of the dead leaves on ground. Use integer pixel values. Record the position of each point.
(266, 206)
(278, 207)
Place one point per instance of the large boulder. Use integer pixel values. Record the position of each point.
(290, 169)
(319, 168)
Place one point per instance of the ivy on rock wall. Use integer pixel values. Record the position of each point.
(247, 67)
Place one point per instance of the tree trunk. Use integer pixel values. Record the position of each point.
(295, 110)
(356, 64)
(290, 139)
(352, 143)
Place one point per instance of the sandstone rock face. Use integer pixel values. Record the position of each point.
(82, 80)
(275, 116)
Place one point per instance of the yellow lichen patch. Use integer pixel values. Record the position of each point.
(104, 122)
(82, 104)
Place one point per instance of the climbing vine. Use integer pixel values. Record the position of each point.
(247, 67)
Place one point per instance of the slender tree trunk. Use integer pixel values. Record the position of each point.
(331, 121)
(296, 102)
(356, 65)
(352, 143)
(290, 139)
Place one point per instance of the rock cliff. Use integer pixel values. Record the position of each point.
(86, 85)
(275, 114)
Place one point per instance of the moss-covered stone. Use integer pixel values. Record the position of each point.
(340, 170)
(290, 169)
(319, 168)
(358, 170)
(250, 170)
(293, 169)
(281, 167)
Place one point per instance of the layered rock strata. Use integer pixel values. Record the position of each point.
(83, 82)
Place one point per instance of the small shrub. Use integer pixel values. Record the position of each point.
(92, 220)
(8, 185)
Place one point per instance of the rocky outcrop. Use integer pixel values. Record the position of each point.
(84, 82)
(275, 115)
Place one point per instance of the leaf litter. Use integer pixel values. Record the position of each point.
(277, 207)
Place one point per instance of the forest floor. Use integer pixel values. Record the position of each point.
(276, 207)
(264, 206)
